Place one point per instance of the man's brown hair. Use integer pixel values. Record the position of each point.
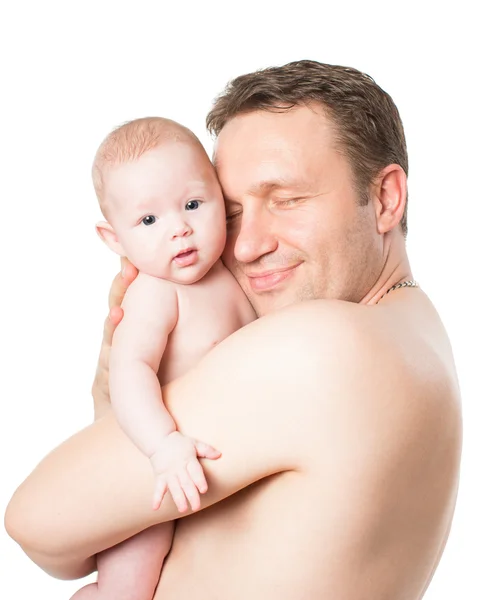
(367, 124)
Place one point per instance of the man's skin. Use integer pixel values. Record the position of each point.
(337, 412)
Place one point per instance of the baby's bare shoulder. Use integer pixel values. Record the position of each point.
(150, 294)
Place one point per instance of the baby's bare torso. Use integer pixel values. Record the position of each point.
(208, 312)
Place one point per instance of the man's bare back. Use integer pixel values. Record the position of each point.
(266, 542)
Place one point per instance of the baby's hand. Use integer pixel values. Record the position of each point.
(178, 470)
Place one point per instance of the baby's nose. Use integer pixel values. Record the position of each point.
(180, 230)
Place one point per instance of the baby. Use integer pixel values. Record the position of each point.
(164, 208)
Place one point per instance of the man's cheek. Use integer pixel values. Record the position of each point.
(228, 252)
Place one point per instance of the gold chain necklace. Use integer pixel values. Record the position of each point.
(410, 283)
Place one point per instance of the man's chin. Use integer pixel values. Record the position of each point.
(265, 304)
(289, 290)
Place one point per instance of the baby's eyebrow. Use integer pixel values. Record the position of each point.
(146, 204)
(199, 183)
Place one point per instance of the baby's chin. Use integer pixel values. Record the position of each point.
(186, 278)
(184, 275)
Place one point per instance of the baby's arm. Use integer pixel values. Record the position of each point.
(150, 315)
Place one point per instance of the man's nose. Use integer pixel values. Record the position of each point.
(256, 237)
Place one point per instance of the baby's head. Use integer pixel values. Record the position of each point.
(160, 195)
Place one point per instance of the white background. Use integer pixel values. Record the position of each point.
(72, 71)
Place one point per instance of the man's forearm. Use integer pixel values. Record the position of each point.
(95, 489)
(60, 568)
(79, 500)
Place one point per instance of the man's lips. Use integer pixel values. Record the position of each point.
(267, 280)
(187, 257)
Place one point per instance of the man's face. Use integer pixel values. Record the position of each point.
(295, 230)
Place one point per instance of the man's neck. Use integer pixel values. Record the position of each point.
(396, 268)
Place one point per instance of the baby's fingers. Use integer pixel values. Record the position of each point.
(206, 451)
(195, 471)
(177, 493)
(189, 489)
(159, 493)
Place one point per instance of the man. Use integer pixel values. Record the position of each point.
(337, 412)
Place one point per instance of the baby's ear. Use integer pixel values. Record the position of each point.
(108, 235)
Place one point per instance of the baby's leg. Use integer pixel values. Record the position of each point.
(130, 570)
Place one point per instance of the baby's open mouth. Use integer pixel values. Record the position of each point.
(185, 253)
(187, 257)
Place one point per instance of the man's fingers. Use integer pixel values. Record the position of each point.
(115, 315)
(117, 291)
(195, 471)
(121, 282)
(108, 329)
(111, 322)
(206, 451)
(129, 272)
(189, 489)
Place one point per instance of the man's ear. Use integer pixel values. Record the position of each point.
(108, 235)
(390, 196)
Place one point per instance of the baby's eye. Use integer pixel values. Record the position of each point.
(150, 220)
(192, 205)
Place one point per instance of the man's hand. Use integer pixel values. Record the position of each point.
(100, 390)
(178, 470)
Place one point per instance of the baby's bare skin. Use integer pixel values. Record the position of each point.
(166, 213)
(208, 312)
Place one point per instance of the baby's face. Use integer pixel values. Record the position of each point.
(167, 211)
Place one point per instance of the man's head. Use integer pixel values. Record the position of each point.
(312, 161)
(160, 195)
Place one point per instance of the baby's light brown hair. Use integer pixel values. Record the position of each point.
(132, 139)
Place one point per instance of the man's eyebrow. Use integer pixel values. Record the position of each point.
(269, 185)
(262, 188)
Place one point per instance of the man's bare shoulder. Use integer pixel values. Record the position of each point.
(317, 354)
(317, 335)
(361, 371)
(353, 334)
(333, 318)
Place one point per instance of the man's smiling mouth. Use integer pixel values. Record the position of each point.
(267, 280)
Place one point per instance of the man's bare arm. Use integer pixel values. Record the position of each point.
(308, 390)
(94, 490)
